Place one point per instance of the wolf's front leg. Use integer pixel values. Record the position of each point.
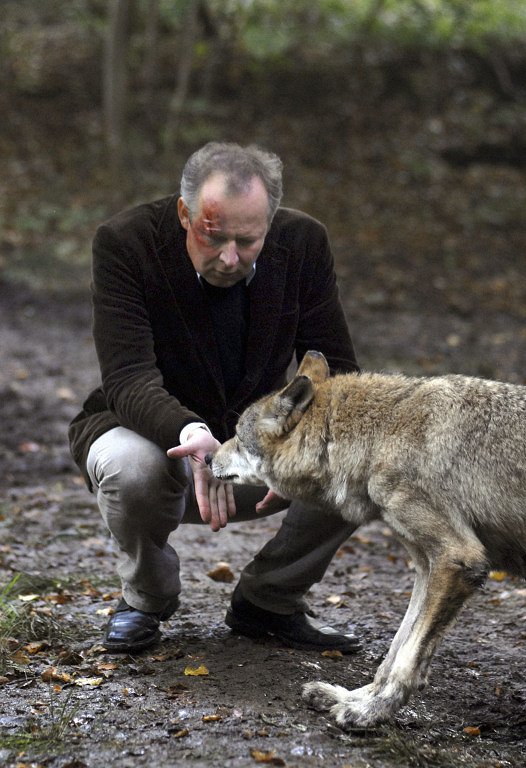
(324, 696)
(432, 609)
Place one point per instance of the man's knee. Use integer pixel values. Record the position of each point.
(142, 482)
(133, 468)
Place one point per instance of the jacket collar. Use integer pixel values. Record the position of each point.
(266, 300)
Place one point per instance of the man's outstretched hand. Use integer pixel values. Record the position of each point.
(214, 498)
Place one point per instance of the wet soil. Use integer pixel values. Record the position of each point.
(64, 702)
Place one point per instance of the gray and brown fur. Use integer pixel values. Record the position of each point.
(441, 460)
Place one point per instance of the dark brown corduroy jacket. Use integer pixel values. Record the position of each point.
(155, 342)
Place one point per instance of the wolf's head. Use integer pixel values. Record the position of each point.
(254, 455)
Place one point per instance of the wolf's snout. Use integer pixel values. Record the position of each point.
(208, 458)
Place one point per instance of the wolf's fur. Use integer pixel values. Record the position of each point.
(442, 460)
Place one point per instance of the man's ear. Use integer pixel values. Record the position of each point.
(285, 409)
(183, 213)
(314, 365)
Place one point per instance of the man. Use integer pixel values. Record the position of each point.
(200, 304)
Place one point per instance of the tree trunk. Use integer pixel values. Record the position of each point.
(116, 81)
(149, 69)
(186, 56)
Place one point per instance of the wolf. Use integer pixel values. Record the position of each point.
(441, 460)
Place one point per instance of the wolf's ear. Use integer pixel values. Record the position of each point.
(298, 394)
(289, 405)
(314, 365)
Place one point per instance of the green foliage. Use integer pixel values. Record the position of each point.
(270, 29)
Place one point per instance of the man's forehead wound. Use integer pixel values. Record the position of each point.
(210, 216)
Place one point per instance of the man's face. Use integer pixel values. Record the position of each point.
(227, 234)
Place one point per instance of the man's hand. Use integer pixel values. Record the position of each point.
(214, 498)
(272, 503)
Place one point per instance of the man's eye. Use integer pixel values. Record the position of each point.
(213, 240)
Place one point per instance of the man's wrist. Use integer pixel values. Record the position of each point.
(189, 428)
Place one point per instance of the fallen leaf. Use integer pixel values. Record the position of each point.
(37, 646)
(20, 658)
(211, 718)
(472, 730)
(4, 680)
(69, 656)
(266, 757)
(332, 654)
(334, 599)
(176, 653)
(97, 648)
(89, 590)
(104, 666)
(111, 596)
(196, 671)
(180, 734)
(173, 691)
(221, 572)
(91, 682)
(59, 599)
(53, 674)
(497, 575)
(28, 598)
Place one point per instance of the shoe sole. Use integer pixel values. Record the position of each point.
(131, 648)
(248, 630)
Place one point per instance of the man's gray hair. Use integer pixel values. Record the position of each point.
(239, 165)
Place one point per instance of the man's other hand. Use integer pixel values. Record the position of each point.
(214, 498)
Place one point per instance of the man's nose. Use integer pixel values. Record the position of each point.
(229, 255)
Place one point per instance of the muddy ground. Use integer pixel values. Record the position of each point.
(64, 702)
(431, 257)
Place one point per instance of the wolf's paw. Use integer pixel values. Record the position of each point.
(363, 709)
(323, 696)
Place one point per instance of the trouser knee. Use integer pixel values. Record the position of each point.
(140, 490)
(144, 483)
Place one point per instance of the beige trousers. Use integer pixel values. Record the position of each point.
(144, 496)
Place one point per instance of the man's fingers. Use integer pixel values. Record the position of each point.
(202, 497)
(214, 499)
(230, 500)
(197, 446)
(272, 502)
(178, 452)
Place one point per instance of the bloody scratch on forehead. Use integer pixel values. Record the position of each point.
(211, 216)
(208, 224)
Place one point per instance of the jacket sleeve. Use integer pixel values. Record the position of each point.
(131, 380)
(322, 325)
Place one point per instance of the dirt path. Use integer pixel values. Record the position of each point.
(63, 702)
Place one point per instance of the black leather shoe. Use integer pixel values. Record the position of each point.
(130, 630)
(296, 630)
